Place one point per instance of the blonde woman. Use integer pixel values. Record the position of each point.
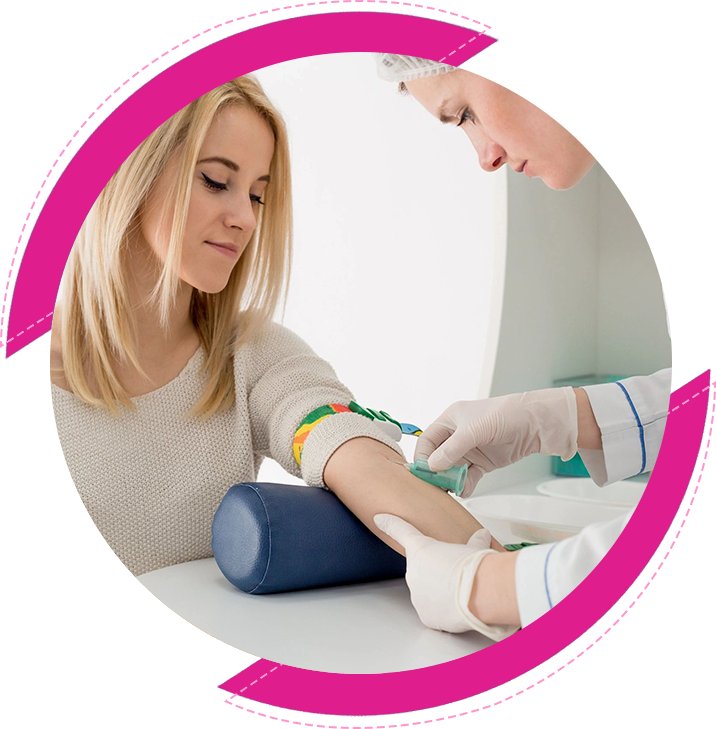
(170, 381)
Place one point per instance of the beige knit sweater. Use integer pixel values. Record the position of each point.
(152, 479)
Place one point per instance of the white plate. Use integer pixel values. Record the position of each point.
(519, 518)
(621, 493)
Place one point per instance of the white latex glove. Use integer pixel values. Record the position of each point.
(440, 577)
(493, 433)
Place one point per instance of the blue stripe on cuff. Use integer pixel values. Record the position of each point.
(546, 584)
(641, 427)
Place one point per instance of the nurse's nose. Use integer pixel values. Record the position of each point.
(492, 156)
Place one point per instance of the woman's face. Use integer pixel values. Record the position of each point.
(504, 128)
(227, 185)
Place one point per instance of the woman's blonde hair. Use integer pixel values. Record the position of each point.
(97, 327)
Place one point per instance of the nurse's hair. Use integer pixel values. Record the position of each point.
(96, 313)
(395, 67)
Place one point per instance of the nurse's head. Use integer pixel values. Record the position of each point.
(504, 128)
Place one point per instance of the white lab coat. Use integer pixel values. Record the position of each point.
(631, 416)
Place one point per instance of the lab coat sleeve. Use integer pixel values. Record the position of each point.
(547, 573)
(631, 415)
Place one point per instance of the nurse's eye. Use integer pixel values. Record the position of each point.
(256, 199)
(465, 116)
(213, 184)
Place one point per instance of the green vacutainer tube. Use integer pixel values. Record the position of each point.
(451, 480)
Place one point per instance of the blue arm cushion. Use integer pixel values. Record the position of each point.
(269, 537)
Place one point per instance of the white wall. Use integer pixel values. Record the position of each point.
(693, 333)
(632, 332)
(583, 278)
(548, 327)
(549, 317)
(395, 234)
(583, 288)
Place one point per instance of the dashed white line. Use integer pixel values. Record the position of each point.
(258, 679)
(457, 49)
(30, 326)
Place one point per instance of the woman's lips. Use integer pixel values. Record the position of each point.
(526, 169)
(227, 249)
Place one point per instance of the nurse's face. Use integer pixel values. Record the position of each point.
(504, 128)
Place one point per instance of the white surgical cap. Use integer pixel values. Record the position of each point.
(394, 67)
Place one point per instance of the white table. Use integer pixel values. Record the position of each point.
(366, 628)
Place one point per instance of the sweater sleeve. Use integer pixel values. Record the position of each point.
(285, 382)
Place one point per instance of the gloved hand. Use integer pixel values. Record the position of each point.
(489, 434)
(440, 577)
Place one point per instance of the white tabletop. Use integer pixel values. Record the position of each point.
(366, 628)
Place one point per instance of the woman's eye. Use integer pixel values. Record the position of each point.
(216, 186)
(465, 116)
(213, 184)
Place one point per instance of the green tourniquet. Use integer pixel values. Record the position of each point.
(317, 414)
(383, 416)
(515, 547)
(389, 419)
(356, 408)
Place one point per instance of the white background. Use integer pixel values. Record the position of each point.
(693, 336)
(387, 238)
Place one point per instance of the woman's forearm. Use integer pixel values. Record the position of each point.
(369, 478)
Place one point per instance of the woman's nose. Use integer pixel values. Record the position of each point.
(240, 214)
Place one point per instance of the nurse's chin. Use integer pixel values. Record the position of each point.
(566, 180)
(560, 183)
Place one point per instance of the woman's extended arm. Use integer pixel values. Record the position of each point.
(369, 478)
(345, 451)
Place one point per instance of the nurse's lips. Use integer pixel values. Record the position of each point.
(227, 249)
(521, 168)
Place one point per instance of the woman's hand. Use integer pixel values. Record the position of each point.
(442, 577)
(493, 433)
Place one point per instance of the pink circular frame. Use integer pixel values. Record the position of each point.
(36, 291)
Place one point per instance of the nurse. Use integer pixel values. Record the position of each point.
(617, 428)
